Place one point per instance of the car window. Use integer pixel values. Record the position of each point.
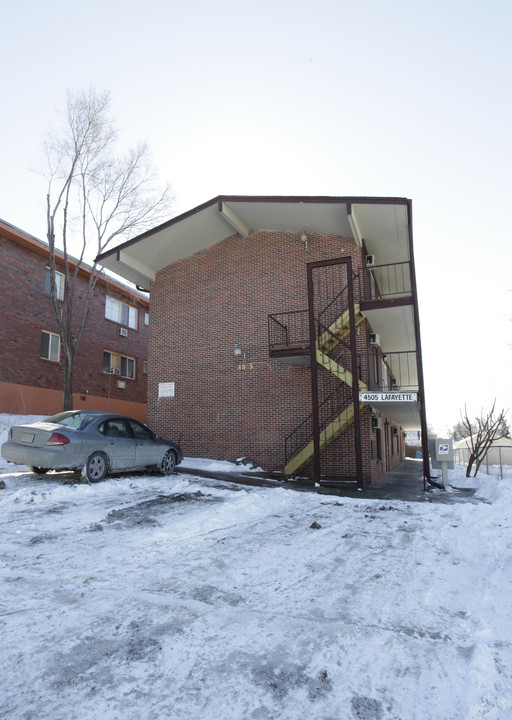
(78, 421)
(140, 431)
(71, 419)
(59, 417)
(115, 428)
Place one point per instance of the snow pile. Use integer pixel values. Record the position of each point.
(221, 466)
(154, 598)
(488, 487)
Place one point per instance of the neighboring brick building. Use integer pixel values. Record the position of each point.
(111, 362)
(265, 311)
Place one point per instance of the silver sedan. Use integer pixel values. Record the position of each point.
(94, 443)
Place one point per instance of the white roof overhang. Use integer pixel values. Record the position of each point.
(382, 223)
(407, 415)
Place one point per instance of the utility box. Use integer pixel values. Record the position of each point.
(441, 455)
(443, 452)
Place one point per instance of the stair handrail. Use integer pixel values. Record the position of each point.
(327, 307)
(326, 419)
(284, 328)
(356, 277)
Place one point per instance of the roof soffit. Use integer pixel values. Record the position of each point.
(382, 223)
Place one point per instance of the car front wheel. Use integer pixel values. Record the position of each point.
(95, 468)
(169, 463)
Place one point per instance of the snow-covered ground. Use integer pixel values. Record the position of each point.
(156, 598)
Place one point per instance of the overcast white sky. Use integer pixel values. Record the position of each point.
(329, 97)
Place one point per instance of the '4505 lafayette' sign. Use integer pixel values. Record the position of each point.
(388, 396)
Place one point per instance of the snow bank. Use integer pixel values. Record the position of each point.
(218, 465)
(488, 487)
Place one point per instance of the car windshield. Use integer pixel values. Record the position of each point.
(71, 418)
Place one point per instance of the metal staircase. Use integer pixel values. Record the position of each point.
(337, 411)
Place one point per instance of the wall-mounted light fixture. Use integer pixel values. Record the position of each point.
(304, 239)
(238, 352)
(247, 364)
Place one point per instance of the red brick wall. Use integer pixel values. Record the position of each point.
(201, 306)
(26, 310)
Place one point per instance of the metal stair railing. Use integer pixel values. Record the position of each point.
(330, 313)
(329, 409)
(338, 401)
(330, 327)
(288, 329)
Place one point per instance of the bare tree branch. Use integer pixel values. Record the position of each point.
(94, 196)
(481, 432)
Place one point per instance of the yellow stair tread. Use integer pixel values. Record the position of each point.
(327, 435)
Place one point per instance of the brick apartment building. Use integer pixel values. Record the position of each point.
(111, 363)
(285, 330)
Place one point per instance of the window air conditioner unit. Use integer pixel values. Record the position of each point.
(121, 384)
(394, 384)
(377, 423)
(374, 339)
(396, 431)
(370, 261)
(123, 332)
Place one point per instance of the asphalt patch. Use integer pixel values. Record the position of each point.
(146, 513)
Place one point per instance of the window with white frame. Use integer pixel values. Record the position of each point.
(145, 366)
(121, 313)
(50, 346)
(146, 318)
(116, 364)
(59, 283)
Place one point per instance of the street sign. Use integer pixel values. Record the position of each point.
(373, 397)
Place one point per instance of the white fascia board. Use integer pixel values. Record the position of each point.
(229, 214)
(354, 226)
(137, 265)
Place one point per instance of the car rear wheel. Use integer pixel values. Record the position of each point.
(37, 470)
(169, 462)
(95, 467)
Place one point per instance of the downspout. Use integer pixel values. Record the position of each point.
(355, 377)
(314, 375)
(419, 359)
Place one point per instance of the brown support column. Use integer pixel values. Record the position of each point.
(314, 373)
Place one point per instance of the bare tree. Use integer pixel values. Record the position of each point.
(481, 432)
(94, 196)
(458, 431)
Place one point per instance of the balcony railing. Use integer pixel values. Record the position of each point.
(386, 281)
(288, 330)
(389, 371)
